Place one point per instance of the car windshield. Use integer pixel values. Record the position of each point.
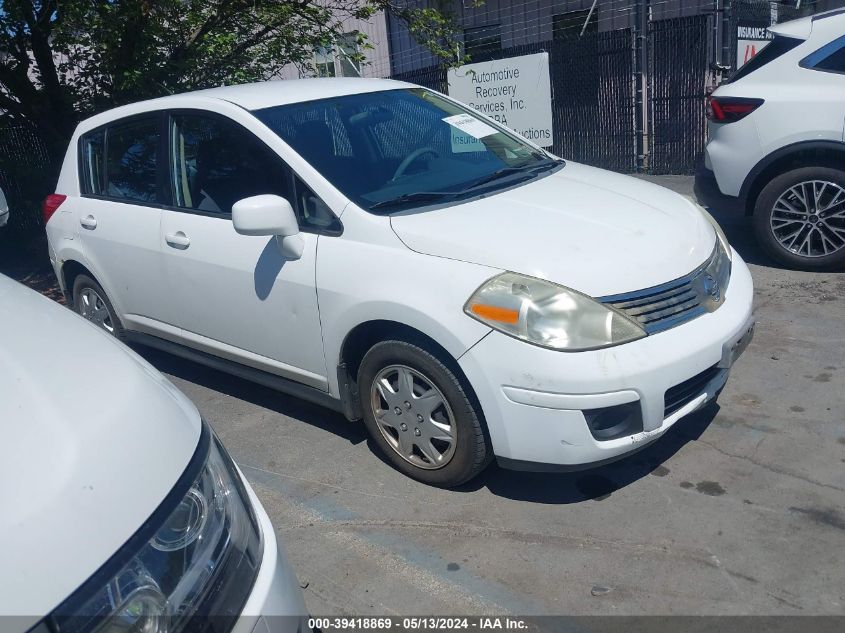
(397, 149)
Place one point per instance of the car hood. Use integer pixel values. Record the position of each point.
(92, 438)
(592, 230)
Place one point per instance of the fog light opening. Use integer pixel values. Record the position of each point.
(610, 423)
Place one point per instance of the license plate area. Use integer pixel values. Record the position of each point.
(734, 349)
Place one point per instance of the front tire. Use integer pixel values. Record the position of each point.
(420, 415)
(91, 302)
(799, 218)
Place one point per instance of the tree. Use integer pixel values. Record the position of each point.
(62, 60)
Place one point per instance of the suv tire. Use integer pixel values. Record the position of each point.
(776, 233)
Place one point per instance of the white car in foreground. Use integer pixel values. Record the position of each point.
(121, 509)
(384, 250)
(777, 143)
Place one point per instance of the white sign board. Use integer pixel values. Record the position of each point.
(514, 91)
(750, 40)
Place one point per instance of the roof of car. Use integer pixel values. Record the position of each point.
(254, 96)
(265, 94)
(802, 27)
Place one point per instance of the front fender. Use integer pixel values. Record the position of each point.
(358, 283)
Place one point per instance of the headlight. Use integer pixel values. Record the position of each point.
(198, 555)
(718, 269)
(723, 240)
(549, 315)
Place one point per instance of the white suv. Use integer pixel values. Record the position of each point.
(382, 249)
(777, 143)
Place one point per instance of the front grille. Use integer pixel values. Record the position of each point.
(665, 306)
(679, 395)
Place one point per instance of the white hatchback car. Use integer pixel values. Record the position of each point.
(384, 250)
(121, 509)
(777, 143)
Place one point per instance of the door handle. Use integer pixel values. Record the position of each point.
(178, 240)
(89, 222)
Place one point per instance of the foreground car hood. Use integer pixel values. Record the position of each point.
(592, 230)
(92, 439)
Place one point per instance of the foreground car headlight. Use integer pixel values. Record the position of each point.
(549, 315)
(723, 240)
(198, 555)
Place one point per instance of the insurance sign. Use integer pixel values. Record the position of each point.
(750, 40)
(515, 92)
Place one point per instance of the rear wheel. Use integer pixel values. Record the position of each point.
(799, 218)
(420, 416)
(91, 301)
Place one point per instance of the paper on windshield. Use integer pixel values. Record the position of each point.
(468, 124)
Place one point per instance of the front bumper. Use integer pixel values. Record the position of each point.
(533, 398)
(707, 191)
(276, 604)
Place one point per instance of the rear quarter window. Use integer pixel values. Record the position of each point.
(779, 46)
(92, 156)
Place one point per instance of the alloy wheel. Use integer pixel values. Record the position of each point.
(93, 308)
(808, 219)
(414, 417)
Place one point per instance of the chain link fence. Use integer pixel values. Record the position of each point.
(592, 95)
(594, 103)
(25, 177)
(678, 70)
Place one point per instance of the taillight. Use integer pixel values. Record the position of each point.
(51, 204)
(730, 109)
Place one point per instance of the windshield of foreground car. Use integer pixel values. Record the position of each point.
(399, 149)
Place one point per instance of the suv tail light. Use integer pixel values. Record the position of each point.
(730, 109)
(51, 204)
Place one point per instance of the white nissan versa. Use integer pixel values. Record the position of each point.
(380, 248)
(121, 509)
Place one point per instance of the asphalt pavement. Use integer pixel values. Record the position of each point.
(737, 510)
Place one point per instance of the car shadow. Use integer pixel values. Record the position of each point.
(596, 484)
(256, 394)
(739, 230)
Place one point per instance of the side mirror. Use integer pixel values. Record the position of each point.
(269, 215)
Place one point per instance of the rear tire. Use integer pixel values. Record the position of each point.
(419, 414)
(91, 302)
(797, 230)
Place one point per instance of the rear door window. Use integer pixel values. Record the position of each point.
(131, 157)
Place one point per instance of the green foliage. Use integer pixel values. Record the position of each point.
(61, 60)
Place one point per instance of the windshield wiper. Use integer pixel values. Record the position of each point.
(417, 196)
(530, 170)
(430, 196)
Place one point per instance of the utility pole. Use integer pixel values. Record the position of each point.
(641, 81)
(725, 57)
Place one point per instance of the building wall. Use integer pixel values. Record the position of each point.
(526, 22)
(377, 62)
